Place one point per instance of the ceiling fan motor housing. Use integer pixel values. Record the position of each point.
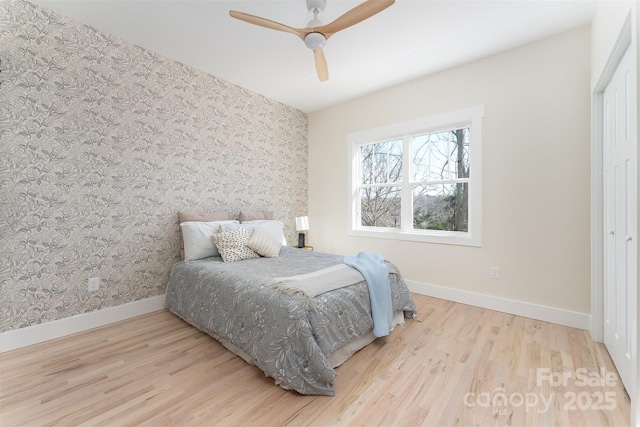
(316, 6)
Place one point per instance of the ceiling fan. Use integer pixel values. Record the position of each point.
(315, 35)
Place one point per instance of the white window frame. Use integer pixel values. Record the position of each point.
(468, 117)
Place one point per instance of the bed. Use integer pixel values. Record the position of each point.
(296, 343)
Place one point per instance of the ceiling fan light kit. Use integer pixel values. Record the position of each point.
(315, 41)
(316, 35)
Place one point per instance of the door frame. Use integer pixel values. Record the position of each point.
(597, 215)
(623, 42)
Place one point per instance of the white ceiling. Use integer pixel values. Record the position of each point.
(410, 39)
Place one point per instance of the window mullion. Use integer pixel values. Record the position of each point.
(442, 181)
(406, 222)
(357, 175)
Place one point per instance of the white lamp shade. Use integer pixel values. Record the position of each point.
(302, 223)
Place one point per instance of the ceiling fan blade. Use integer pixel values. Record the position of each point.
(321, 65)
(357, 14)
(267, 23)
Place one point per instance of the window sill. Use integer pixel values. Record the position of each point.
(438, 237)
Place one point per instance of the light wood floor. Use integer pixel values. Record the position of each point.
(453, 365)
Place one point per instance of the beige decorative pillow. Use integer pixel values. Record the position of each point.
(232, 245)
(262, 243)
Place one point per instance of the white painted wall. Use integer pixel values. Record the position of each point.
(536, 184)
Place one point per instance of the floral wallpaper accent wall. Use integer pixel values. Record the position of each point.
(102, 142)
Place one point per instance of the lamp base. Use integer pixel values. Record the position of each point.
(301, 240)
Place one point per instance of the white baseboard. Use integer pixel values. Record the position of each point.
(519, 308)
(23, 337)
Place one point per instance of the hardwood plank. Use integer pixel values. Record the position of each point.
(449, 366)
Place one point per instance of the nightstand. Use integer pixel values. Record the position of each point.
(308, 248)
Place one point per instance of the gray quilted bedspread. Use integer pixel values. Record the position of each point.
(289, 341)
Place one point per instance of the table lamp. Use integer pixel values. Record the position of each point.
(302, 225)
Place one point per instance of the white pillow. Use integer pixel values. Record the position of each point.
(197, 238)
(275, 228)
(232, 245)
(262, 243)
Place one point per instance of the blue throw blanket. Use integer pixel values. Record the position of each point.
(374, 269)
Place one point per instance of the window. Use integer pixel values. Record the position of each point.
(418, 180)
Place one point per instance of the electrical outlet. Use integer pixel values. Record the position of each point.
(494, 272)
(94, 283)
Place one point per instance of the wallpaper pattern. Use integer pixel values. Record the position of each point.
(102, 142)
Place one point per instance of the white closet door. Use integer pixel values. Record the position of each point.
(620, 219)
